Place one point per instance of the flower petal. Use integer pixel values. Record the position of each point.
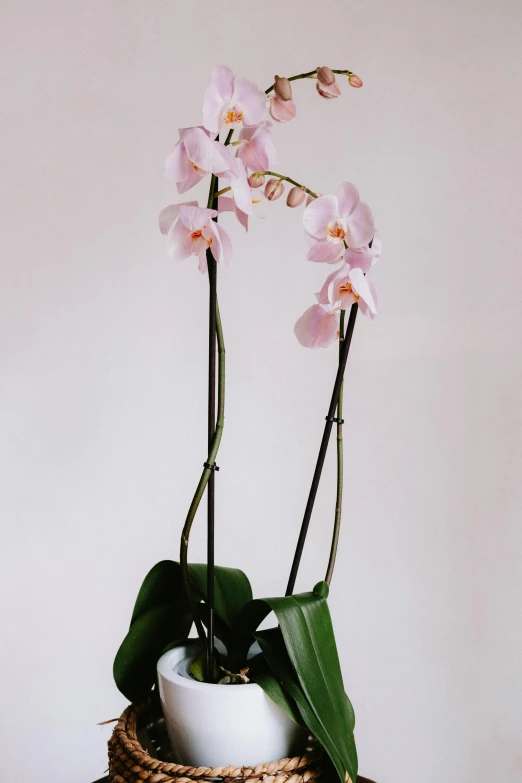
(177, 166)
(227, 204)
(376, 246)
(180, 243)
(324, 295)
(258, 152)
(365, 310)
(194, 178)
(325, 252)
(360, 225)
(204, 152)
(226, 244)
(223, 79)
(240, 188)
(359, 259)
(167, 216)
(212, 109)
(361, 287)
(348, 198)
(195, 218)
(318, 214)
(282, 111)
(251, 99)
(317, 327)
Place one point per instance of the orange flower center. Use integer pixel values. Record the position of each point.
(346, 288)
(233, 115)
(336, 231)
(199, 235)
(196, 168)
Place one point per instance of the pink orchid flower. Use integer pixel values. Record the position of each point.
(191, 232)
(195, 156)
(318, 327)
(330, 221)
(232, 102)
(348, 285)
(257, 150)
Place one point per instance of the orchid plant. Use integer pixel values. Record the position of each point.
(298, 666)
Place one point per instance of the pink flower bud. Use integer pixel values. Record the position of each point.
(295, 197)
(325, 75)
(328, 92)
(355, 80)
(274, 188)
(282, 88)
(310, 198)
(256, 179)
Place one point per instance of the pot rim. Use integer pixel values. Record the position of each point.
(164, 668)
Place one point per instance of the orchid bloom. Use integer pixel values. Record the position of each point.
(347, 286)
(231, 101)
(318, 327)
(332, 221)
(257, 150)
(195, 156)
(191, 232)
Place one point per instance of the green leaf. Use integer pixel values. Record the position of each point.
(309, 640)
(162, 585)
(262, 674)
(273, 646)
(135, 663)
(232, 590)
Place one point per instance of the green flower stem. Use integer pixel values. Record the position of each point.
(222, 192)
(309, 75)
(340, 467)
(289, 179)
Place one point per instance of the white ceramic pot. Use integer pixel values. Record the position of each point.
(217, 725)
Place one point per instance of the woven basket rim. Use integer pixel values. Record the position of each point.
(125, 750)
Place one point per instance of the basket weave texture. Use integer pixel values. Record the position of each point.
(129, 762)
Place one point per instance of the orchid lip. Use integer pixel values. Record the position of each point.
(337, 230)
(233, 116)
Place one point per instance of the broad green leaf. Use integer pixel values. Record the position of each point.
(232, 590)
(135, 663)
(162, 585)
(308, 636)
(261, 673)
(273, 646)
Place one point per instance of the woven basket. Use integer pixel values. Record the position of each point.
(130, 762)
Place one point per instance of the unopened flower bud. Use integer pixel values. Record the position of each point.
(283, 88)
(325, 75)
(355, 80)
(328, 91)
(256, 179)
(274, 188)
(295, 197)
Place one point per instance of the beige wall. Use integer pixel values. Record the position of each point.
(103, 364)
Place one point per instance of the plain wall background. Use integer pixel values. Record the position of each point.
(103, 364)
